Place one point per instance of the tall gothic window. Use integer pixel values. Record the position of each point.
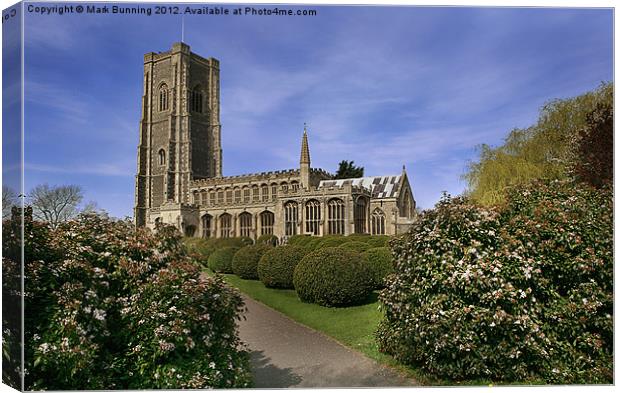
(229, 195)
(162, 157)
(203, 198)
(266, 223)
(237, 196)
(196, 100)
(274, 192)
(164, 97)
(359, 215)
(377, 222)
(265, 192)
(313, 216)
(245, 224)
(255, 195)
(220, 197)
(212, 198)
(290, 218)
(225, 225)
(335, 217)
(206, 226)
(246, 195)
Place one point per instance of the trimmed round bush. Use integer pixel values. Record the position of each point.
(220, 260)
(378, 241)
(271, 240)
(276, 267)
(313, 243)
(355, 246)
(332, 241)
(245, 261)
(333, 277)
(380, 261)
(515, 293)
(299, 240)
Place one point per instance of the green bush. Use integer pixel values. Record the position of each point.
(312, 243)
(299, 240)
(380, 261)
(275, 268)
(199, 249)
(245, 261)
(333, 277)
(332, 241)
(525, 292)
(220, 260)
(354, 245)
(115, 307)
(378, 241)
(271, 240)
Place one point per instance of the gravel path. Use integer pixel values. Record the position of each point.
(286, 354)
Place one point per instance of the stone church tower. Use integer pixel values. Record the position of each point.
(180, 130)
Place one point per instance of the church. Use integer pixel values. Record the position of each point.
(179, 179)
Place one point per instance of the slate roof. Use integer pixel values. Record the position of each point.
(379, 186)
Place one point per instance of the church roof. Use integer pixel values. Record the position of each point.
(379, 186)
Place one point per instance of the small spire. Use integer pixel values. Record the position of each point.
(305, 151)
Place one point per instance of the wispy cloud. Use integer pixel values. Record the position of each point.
(83, 169)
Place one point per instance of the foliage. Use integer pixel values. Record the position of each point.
(545, 150)
(330, 241)
(55, 204)
(378, 241)
(312, 243)
(333, 277)
(271, 240)
(346, 170)
(594, 147)
(299, 240)
(276, 266)
(380, 261)
(245, 261)
(115, 307)
(9, 199)
(220, 260)
(514, 294)
(355, 245)
(201, 249)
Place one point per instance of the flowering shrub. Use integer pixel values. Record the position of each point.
(333, 277)
(513, 294)
(276, 266)
(245, 261)
(380, 261)
(220, 260)
(114, 307)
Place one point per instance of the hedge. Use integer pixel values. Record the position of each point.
(220, 260)
(276, 267)
(354, 245)
(380, 261)
(271, 240)
(245, 261)
(333, 277)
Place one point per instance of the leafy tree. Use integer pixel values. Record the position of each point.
(55, 204)
(346, 170)
(594, 151)
(545, 150)
(9, 199)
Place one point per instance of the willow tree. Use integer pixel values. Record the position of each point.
(546, 150)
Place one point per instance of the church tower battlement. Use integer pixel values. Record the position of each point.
(180, 130)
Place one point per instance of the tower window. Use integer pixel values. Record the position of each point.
(164, 98)
(162, 157)
(196, 100)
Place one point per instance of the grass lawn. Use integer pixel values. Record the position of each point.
(351, 326)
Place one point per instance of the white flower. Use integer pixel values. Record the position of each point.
(99, 314)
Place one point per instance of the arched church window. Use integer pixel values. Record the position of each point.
(206, 226)
(196, 100)
(229, 195)
(225, 225)
(294, 186)
(237, 195)
(246, 194)
(335, 217)
(267, 219)
(359, 215)
(164, 98)
(377, 222)
(274, 192)
(162, 157)
(284, 186)
(313, 216)
(245, 224)
(255, 195)
(265, 192)
(290, 218)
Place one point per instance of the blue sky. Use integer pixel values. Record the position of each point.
(383, 86)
